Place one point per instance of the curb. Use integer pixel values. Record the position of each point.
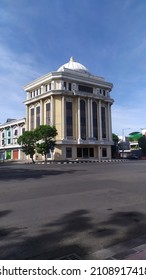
(79, 161)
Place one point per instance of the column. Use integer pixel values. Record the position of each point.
(42, 89)
(11, 135)
(89, 119)
(27, 118)
(41, 112)
(100, 122)
(99, 153)
(52, 110)
(63, 118)
(52, 85)
(79, 121)
(34, 116)
(109, 123)
(28, 95)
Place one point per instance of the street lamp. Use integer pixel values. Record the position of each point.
(123, 135)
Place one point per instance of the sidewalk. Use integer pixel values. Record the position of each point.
(135, 249)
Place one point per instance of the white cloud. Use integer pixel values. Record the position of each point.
(14, 72)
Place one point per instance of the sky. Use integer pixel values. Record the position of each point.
(106, 36)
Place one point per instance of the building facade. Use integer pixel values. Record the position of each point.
(78, 104)
(9, 133)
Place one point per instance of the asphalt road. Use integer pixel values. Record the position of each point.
(50, 211)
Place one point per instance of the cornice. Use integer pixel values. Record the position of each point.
(13, 123)
(71, 76)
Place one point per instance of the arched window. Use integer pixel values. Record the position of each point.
(69, 119)
(83, 119)
(31, 118)
(48, 113)
(38, 116)
(95, 124)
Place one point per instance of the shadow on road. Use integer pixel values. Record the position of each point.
(52, 242)
(60, 238)
(24, 173)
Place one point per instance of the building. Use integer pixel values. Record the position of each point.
(9, 133)
(78, 104)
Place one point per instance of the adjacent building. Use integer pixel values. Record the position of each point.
(78, 104)
(9, 133)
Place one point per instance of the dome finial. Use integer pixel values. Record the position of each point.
(74, 66)
(72, 59)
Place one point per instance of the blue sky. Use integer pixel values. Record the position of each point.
(107, 36)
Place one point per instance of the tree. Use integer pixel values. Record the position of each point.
(27, 141)
(142, 144)
(134, 136)
(45, 136)
(115, 139)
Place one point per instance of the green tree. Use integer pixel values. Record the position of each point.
(27, 141)
(134, 136)
(115, 149)
(142, 144)
(45, 136)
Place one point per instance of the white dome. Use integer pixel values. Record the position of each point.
(73, 65)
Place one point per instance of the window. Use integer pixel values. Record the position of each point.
(91, 152)
(68, 152)
(79, 152)
(50, 86)
(9, 141)
(85, 152)
(3, 135)
(103, 119)
(85, 89)
(64, 85)
(104, 152)
(46, 88)
(3, 142)
(69, 119)
(9, 133)
(32, 119)
(23, 130)
(104, 92)
(15, 132)
(69, 86)
(83, 119)
(48, 113)
(95, 125)
(37, 116)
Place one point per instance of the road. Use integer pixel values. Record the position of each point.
(50, 211)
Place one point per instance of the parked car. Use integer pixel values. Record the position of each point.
(133, 157)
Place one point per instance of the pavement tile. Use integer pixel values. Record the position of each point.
(102, 254)
(137, 256)
(123, 255)
(140, 248)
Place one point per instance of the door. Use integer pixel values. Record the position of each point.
(15, 154)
